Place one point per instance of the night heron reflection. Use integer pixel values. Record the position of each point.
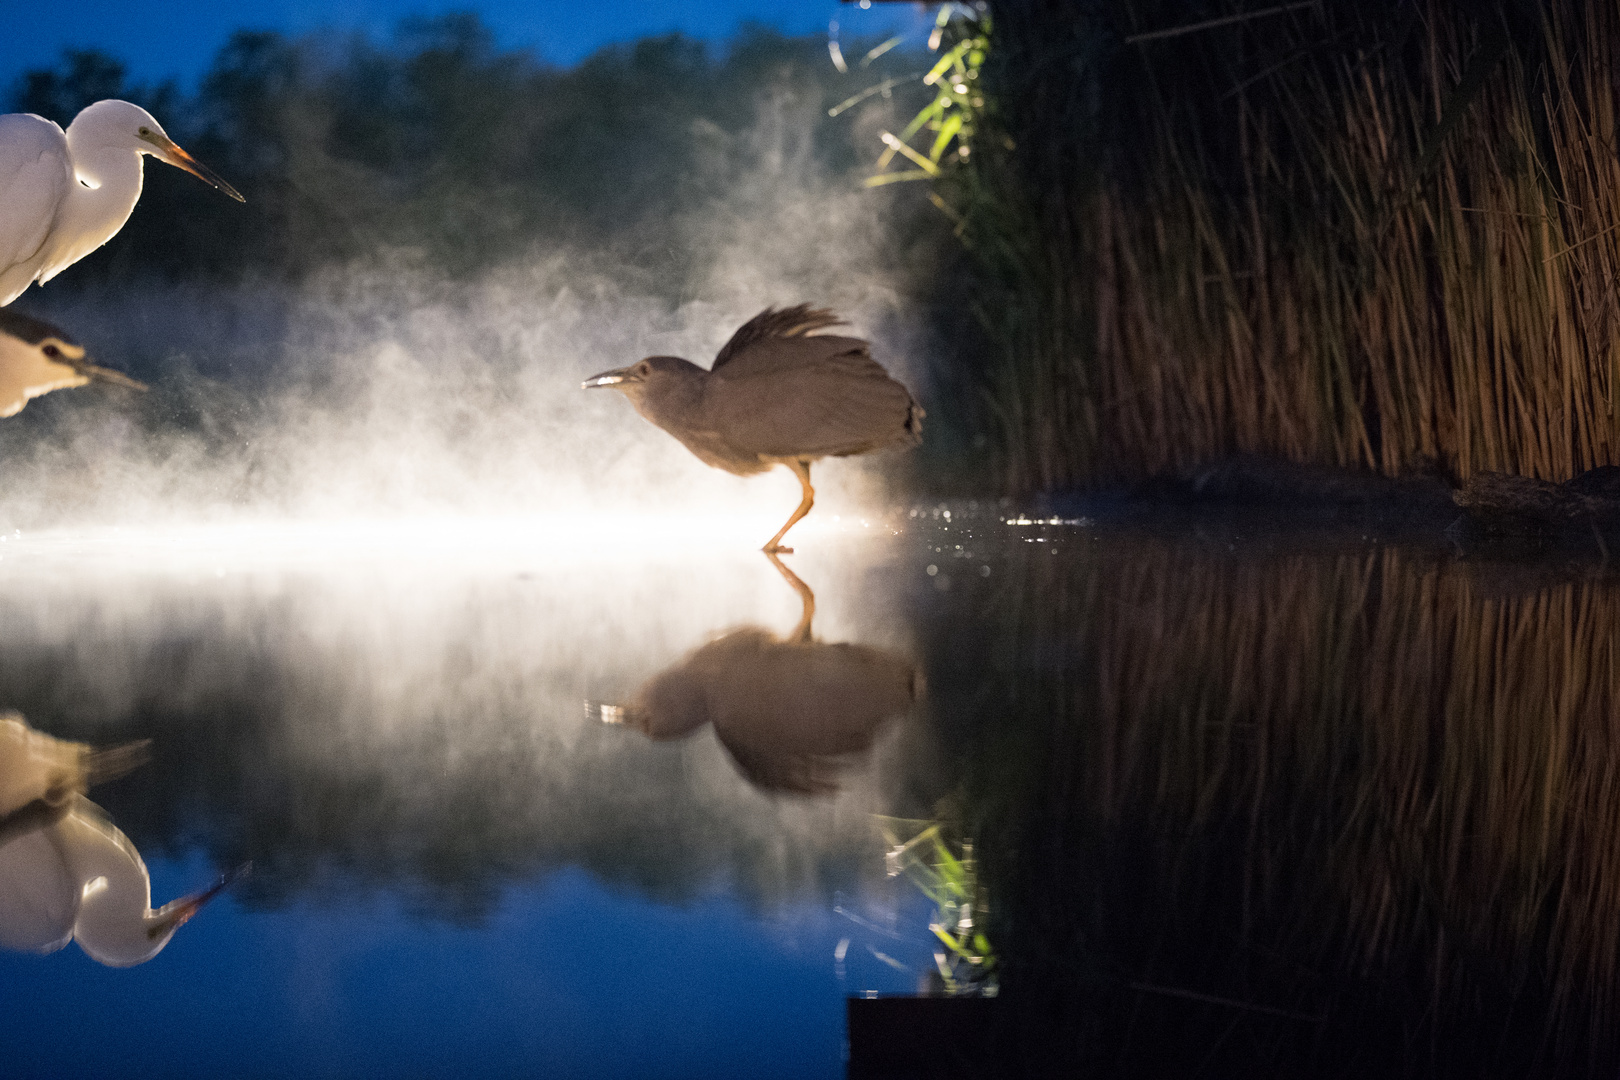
(36, 358)
(788, 710)
(777, 394)
(66, 871)
(36, 768)
(65, 193)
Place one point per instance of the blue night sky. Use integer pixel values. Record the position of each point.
(158, 39)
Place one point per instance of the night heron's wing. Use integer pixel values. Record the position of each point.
(809, 397)
(749, 344)
(791, 714)
(34, 179)
(787, 774)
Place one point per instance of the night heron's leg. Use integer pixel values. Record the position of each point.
(801, 469)
(801, 633)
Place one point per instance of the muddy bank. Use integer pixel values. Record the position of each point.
(1490, 514)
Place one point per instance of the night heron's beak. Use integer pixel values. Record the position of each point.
(609, 378)
(169, 151)
(108, 375)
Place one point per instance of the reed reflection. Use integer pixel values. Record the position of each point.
(1344, 812)
(791, 711)
(66, 872)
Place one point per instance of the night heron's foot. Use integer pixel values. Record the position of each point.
(776, 549)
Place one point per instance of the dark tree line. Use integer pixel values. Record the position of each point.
(437, 147)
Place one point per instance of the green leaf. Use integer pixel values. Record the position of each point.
(950, 59)
(928, 113)
(950, 942)
(947, 131)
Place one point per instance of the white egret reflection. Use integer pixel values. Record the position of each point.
(80, 879)
(36, 768)
(66, 872)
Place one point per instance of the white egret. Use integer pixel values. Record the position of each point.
(65, 193)
(66, 871)
(80, 879)
(36, 358)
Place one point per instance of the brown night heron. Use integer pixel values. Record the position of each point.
(36, 358)
(776, 395)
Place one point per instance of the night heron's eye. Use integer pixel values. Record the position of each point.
(51, 350)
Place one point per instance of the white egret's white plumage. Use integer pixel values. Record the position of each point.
(36, 358)
(80, 879)
(65, 193)
(66, 871)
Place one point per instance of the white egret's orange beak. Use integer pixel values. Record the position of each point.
(179, 913)
(169, 151)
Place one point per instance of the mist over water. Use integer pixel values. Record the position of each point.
(423, 726)
(370, 459)
(385, 387)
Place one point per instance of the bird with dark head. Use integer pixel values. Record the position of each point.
(36, 358)
(777, 394)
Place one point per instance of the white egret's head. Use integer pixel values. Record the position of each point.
(120, 125)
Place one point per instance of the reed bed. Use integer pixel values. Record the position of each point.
(1363, 799)
(1367, 234)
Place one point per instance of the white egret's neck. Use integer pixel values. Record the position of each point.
(116, 924)
(107, 184)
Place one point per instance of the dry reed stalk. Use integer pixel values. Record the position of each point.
(1363, 256)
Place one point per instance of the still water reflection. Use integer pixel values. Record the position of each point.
(788, 709)
(1301, 802)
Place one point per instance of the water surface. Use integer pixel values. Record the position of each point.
(1306, 801)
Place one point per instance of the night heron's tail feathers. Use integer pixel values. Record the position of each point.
(796, 321)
